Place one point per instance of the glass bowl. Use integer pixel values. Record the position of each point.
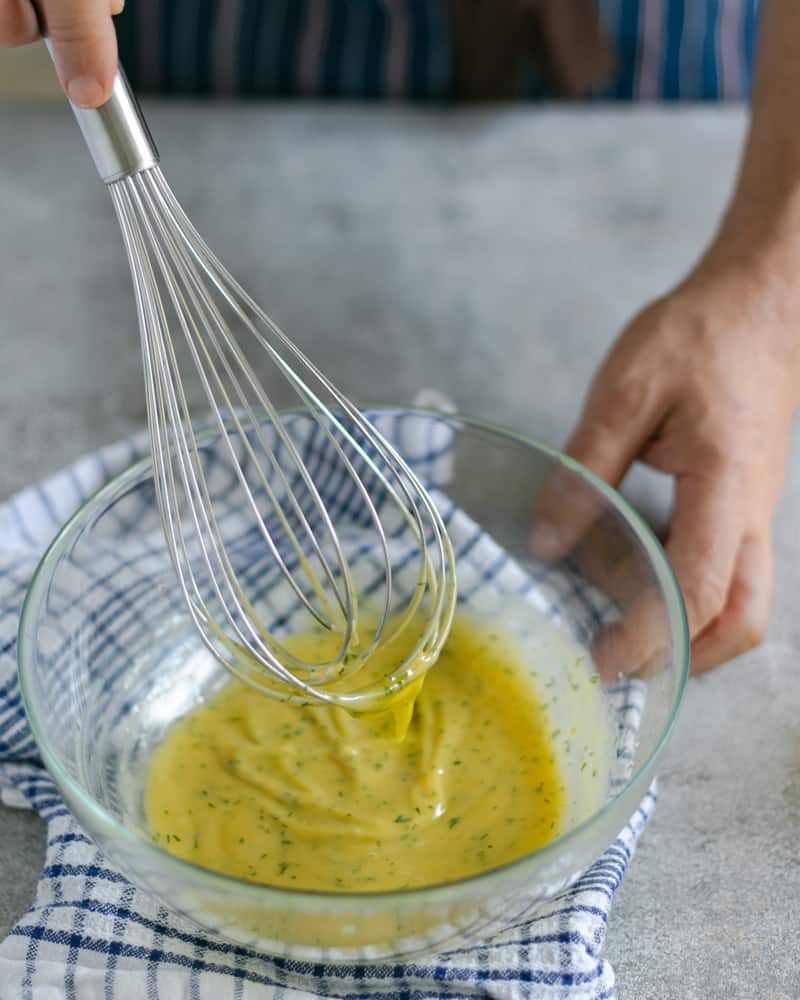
(109, 660)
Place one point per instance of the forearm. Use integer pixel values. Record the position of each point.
(765, 209)
(755, 256)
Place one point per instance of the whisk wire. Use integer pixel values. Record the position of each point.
(171, 410)
(172, 266)
(314, 401)
(197, 344)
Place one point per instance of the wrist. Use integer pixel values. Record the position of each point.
(747, 285)
(756, 254)
(763, 215)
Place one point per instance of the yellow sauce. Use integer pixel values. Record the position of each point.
(314, 798)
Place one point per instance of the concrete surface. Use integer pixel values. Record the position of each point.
(492, 255)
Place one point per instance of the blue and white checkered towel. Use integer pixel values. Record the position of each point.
(90, 934)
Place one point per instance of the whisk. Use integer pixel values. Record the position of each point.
(188, 307)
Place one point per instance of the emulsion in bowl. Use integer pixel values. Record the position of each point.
(112, 671)
(313, 797)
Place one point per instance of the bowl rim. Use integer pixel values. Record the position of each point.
(343, 901)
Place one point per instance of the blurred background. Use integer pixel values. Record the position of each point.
(27, 73)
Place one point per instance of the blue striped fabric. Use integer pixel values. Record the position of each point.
(90, 933)
(695, 50)
(666, 49)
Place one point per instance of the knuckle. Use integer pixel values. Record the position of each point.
(705, 598)
(618, 398)
(713, 441)
(718, 451)
(628, 396)
(72, 25)
(751, 631)
(75, 33)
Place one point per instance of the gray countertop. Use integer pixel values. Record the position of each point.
(492, 255)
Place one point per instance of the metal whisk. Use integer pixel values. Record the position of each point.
(188, 308)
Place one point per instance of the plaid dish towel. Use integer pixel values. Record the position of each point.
(90, 934)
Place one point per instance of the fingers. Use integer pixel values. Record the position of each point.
(84, 46)
(564, 510)
(18, 23)
(642, 638)
(742, 625)
(621, 413)
(704, 538)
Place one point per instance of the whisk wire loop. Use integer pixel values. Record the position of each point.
(181, 288)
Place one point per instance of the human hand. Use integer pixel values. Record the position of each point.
(702, 385)
(83, 38)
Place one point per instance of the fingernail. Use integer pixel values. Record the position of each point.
(85, 91)
(544, 540)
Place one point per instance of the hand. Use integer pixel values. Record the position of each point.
(83, 37)
(702, 385)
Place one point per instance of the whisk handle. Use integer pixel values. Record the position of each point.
(116, 133)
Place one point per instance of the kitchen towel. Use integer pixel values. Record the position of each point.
(90, 934)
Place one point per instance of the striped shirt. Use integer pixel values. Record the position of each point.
(664, 49)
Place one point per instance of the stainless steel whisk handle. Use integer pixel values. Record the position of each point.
(116, 133)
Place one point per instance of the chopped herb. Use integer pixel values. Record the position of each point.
(452, 822)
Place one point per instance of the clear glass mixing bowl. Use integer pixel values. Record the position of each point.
(108, 660)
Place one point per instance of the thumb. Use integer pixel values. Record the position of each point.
(84, 47)
(617, 421)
